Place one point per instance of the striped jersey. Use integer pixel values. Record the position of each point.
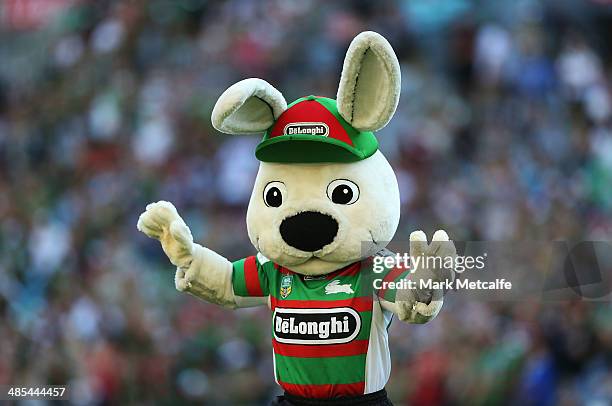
(329, 333)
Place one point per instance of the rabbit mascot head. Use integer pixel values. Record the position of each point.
(325, 196)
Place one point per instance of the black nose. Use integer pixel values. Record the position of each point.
(309, 230)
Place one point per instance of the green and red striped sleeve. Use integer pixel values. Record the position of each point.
(396, 274)
(249, 278)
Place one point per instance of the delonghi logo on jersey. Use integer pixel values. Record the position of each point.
(307, 128)
(316, 326)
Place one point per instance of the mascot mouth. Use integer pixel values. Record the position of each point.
(309, 231)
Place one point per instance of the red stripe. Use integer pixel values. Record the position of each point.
(394, 274)
(283, 270)
(310, 111)
(391, 276)
(360, 304)
(251, 277)
(327, 391)
(348, 270)
(355, 347)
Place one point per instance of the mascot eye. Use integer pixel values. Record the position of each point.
(342, 191)
(274, 193)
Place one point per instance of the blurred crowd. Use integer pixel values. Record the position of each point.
(503, 132)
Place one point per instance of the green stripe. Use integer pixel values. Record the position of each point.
(238, 282)
(321, 371)
(390, 294)
(366, 322)
(315, 289)
(369, 276)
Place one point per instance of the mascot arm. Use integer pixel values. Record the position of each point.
(420, 305)
(211, 277)
(413, 311)
(208, 277)
(200, 271)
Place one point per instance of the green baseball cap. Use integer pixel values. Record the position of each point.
(312, 131)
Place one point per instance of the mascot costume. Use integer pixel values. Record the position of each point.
(324, 205)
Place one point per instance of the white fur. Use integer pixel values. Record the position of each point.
(373, 217)
(208, 277)
(369, 88)
(247, 107)
(162, 222)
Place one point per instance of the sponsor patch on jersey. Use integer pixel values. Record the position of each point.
(285, 286)
(316, 326)
(306, 128)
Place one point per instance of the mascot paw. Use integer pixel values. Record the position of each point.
(162, 222)
(426, 268)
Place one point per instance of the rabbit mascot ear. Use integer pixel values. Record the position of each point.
(370, 84)
(248, 107)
